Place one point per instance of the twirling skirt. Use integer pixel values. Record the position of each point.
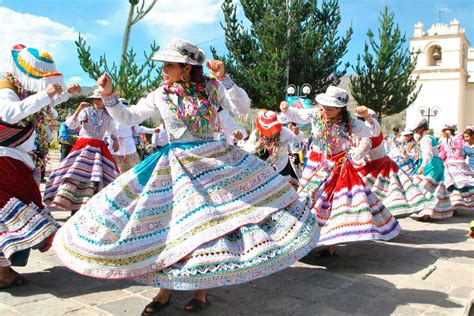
(345, 207)
(86, 170)
(23, 221)
(190, 216)
(459, 180)
(393, 186)
(431, 183)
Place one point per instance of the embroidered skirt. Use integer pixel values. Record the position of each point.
(191, 216)
(87, 169)
(345, 207)
(393, 186)
(23, 221)
(431, 183)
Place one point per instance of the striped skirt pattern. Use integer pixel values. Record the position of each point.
(23, 221)
(431, 183)
(345, 207)
(459, 180)
(87, 169)
(393, 186)
(192, 215)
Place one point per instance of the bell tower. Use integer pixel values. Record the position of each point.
(445, 67)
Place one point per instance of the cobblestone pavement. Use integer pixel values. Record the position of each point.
(427, 270)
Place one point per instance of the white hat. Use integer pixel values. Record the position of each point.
(450, 127)
(334, 96)
(407, 131)
(418, 123)
(181, 51)
(95, 95)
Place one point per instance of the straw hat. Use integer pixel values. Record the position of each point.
(334, 97)
(181, 51)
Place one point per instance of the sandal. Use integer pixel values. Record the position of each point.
(154, 308)
(17, 281)
(195, 305)
(325, 253)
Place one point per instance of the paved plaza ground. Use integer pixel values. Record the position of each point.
(427, 270)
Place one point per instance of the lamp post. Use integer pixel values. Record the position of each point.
(429, 112)
(296, 93)
(299, 91)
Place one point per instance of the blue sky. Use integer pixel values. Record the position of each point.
(53, 25)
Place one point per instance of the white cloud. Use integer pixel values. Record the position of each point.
(103, 22)
(183, 13)
(32, 31)
(74, 79)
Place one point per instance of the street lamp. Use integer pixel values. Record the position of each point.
(429, 112)
(299, 91)
(299, 94)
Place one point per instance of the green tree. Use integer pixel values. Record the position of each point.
(294, 42)
(383, 79)
(132, 78)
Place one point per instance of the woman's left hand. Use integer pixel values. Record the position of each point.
(216, 67)
(237, 135)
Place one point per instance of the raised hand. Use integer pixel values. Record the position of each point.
(104, 83)
(216, 67)
(53, 89)
(283, 106)
(74, 88)
(363, 111)
(237, 135)
(82, 106)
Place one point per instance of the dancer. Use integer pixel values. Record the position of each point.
(382, 175)
(30, 85)
(468, 149)
(199, 213)
(345, 208)
(429, 176)
(89, 167)
(409, 152)
(270, 142)
(458, 177)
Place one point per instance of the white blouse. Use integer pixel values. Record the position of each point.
(13, 110)
(233, 100)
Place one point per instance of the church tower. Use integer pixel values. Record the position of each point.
(445, 68)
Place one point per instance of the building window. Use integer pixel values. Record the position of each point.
(435, 55)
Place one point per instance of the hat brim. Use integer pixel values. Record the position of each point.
(270, 131)
(326, 100)
(172, 56)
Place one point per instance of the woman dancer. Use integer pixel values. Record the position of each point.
(89, 167)
(468, 149)
(199, 213)
(30, 85)
(345, 208)
(384, 178)
(429, 176)
(270, 142)
(458, 177)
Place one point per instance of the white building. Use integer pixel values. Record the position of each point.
(446, 72)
